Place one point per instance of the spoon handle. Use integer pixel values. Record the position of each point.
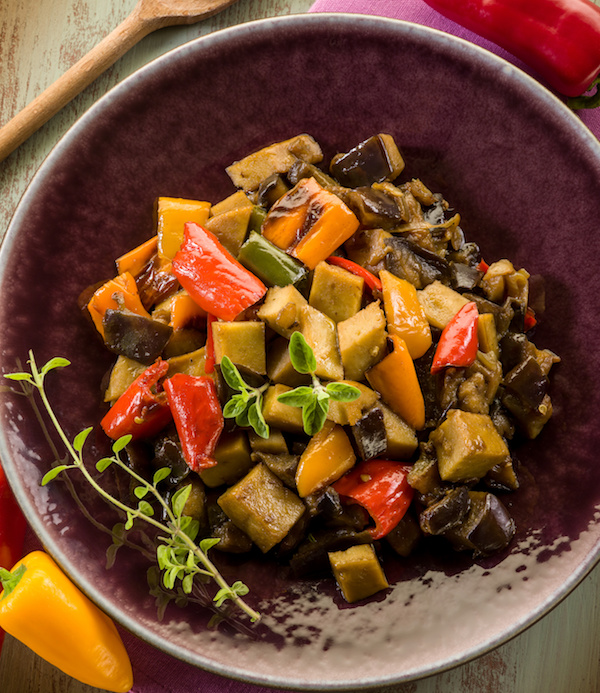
(72, 82)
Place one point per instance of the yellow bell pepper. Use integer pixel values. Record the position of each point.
(43, 609)
(172, 215)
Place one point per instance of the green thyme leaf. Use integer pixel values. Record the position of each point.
(207, 544)
(301, 355)
(140, 491)
(103, 464)
(179, 499)
(80, 438)
(121, 444)
(57, 362)
(160, 475)
(145, 508)
(342, 392)
(19, 376)
(53, 473)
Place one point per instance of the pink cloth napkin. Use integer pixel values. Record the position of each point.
(155, 672)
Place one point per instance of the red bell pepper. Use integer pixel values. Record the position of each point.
(209, 360)
(371, 280)
(213, 277)
(198, 417)
(530, 319)
(140, 411)
(382, 488)
(458, 344)
(559, 39)
(12, 530)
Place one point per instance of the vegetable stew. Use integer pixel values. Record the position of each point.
(328, 362)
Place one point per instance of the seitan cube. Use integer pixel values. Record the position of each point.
(336, 292)
(362, 340)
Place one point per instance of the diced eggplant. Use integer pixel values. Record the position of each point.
(231, 538)
(135, 336)
(374, 208)
(417, 265)
(168, 453)
(370, 434)
(283, 465)
(464, 277)
(270, 190)
(311, 556)
(487, 528)
(155, 283)
(503, 314)
(336, 292)
(302, 169)
(502, 477)
(372, 161)
(424, 476)
(405, 536)
(446, 513)
(233, 460)
(527, 382)
(358, 572)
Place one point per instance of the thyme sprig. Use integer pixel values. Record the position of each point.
(178, 555)
(314, 399)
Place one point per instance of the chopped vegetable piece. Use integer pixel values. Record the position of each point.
(336, 292)
(280, 415)
(372, 161)
(135, 260)
(243, 341)
(458, 344)
(381, 487)
(468, 446)
(362, 340)
(173, 213)
(309, 223)
(327, 456)
(135, 336)
(210, 360)
(281, 309)
(249, 172)
(269, 263)
(212, 277)
(370, 279)
(440, 303)
(184, 310)
(232, 454)
(262, 507)
(358, 572)
(198, 417)
(43, 609)
(348, 413)
(231, 227)
(139, 412)
(395, 378)
(116, 293)
(122, 374)
(405, 315)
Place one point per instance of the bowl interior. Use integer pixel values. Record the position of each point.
(525, 177)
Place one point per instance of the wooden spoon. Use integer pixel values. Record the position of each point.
(147, 16)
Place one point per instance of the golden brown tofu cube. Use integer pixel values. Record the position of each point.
(336, 292)
(358, 572)
(362, 340)
(440, 303)
(321, 335)
(468, 446)
(262, 507)
(281, 309)
(243, 342)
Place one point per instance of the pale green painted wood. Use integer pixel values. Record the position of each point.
(39, 40)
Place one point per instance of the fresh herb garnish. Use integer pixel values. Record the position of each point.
(246, 406)
(179, 556)
(314, 399)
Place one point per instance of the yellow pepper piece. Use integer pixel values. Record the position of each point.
(184, 310)
(327, 457)
(173, 214)
(120, 290)
(43, 609)
(405, 315)
(395, 378)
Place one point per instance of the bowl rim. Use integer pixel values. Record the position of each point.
(216, 39)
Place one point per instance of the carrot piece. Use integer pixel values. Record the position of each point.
(136, 259)
(404, 313)
(395, 378)
(117, 292)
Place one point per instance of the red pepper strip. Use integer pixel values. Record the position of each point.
(213, 277)
(381, 487)
(530, 319)
(139, 412)
(559, 39)
(370, 279)
(198, 417)
(458, 344)
(483, 266)
(12, 530)
(209, 359)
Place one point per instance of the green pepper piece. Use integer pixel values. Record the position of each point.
(270, 263)
(257, 216)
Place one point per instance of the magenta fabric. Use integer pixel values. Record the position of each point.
(154, 671)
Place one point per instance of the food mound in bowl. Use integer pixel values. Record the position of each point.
(326, 362)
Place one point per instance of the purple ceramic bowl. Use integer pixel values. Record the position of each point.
(525, 176)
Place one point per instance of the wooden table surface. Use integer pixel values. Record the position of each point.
(39, 40)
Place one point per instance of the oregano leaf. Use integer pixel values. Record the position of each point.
(103, 464)
(298, 397)
(231, 374)
(80, 438)
(121, 444)
(301, 355)
(140, 491)
(56, 362)
(342, 392)
(179, 499)
(160, 475)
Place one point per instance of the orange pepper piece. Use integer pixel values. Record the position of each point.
(395, 378)
(135, 260)
(120, 290)
(184, 310)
